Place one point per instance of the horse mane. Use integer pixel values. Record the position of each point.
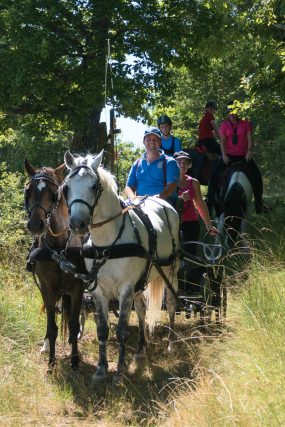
(107, 179)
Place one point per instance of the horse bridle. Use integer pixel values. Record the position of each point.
(98, 189)
(43, 175)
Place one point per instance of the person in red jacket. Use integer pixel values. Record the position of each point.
(208, 132)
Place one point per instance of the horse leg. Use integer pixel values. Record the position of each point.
(52, 331)
(171, 309)
(102, 306)
(140, 307)
(45, 347)
(74, 328)
(126, 302)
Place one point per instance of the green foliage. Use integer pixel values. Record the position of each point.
(12, 216)
(53, 57)
(40, 149)
(127, 153)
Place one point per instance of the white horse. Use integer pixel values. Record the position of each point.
(236, 205)
(126, 252)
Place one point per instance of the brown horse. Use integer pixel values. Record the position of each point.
(47, 222)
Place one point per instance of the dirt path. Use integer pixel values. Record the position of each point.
(148, 385)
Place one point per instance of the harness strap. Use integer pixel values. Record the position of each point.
(118, 251)
(122, 212)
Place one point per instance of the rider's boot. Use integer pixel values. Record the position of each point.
(29, 264)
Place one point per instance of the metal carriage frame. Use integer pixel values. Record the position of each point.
(203, 291)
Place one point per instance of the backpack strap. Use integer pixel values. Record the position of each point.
(164, 172)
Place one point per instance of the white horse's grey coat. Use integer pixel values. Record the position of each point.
(117, 277)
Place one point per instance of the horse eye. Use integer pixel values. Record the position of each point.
(93, 188)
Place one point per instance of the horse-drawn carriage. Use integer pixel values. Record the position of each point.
(138, 246)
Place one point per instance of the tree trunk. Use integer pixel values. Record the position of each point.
(87, 140)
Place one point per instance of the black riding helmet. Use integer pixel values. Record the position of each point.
(164, 119)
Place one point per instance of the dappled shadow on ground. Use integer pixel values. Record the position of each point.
(148, 384)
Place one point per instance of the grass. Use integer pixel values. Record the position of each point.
(242, 376)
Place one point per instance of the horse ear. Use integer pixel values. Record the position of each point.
(59, 170)
(69, 160)
(97, 161)
(29, 168)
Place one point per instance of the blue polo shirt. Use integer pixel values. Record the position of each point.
(148, 179)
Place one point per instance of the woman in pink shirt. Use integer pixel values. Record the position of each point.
(236, 146)
(190, 192)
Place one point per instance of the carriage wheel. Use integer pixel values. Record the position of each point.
(208, 297)
(221, 308)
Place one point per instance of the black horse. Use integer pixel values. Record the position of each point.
(233, 202)
(47, 222)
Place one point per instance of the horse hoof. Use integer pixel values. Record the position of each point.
(75, 368)
(118, 379)
(50, 368)
(45, 348)
(170, 347)
(100, 375)
(141, 354)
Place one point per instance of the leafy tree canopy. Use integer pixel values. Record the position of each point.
(53, 57)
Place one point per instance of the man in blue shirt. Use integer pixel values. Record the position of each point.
(170, 144)
(154, 174)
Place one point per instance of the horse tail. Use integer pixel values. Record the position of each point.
(154, 298)
(65, 315)
(42, 309)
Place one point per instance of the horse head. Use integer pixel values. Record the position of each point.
(42, 195)
(82, 189)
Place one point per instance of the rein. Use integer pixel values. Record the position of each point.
(123, 211)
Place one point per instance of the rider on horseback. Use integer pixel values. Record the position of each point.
(237, 146)
(207, 149)
(208, 131)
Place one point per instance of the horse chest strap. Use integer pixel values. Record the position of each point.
(124, 250)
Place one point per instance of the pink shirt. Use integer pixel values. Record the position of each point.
(241, 128)
(189, 212)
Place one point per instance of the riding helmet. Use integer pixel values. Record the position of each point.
(164, 119)
(212, 104)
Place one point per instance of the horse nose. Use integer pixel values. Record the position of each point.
(78, 226)
(36, 227)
